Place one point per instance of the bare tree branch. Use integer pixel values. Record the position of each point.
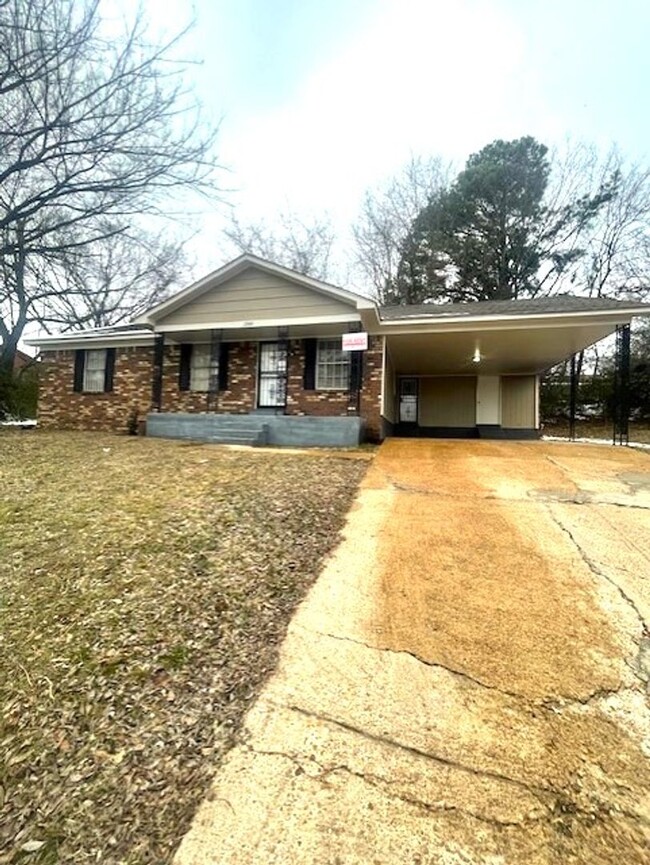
(93, 131)
(387, 215)
(305, 246)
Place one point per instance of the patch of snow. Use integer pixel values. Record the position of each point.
(588, 441)
(29, 423)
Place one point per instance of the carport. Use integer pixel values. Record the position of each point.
(473, 370)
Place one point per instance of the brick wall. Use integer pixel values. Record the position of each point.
(338, 403)
(239, 398)
(59, 407)
(323, 403)
(370, 401)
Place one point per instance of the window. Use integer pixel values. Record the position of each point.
(332, 366)
(201, 367)
(95, 370)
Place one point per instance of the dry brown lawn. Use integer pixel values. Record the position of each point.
(145, 586)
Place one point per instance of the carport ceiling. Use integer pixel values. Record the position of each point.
(524, 350)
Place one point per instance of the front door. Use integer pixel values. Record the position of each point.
(408, 400)
(272, 376)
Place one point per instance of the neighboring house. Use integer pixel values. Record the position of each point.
(21, 360)
(253, 352)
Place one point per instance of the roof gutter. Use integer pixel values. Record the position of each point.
(511, 322)
(98, 340)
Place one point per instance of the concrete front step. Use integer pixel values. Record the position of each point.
(241, 436)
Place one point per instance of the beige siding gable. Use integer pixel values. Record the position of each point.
(254, 295)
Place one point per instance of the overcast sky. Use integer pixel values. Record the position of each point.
(320, 99)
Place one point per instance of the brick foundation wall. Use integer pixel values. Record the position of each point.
(59, 407)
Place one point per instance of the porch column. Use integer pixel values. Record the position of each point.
(283, 340)
(157, 373)
(213, 381)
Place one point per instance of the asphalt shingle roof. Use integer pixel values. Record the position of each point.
(111, 329)
(538, 306)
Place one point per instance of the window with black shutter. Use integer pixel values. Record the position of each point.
(184, 370)
(94, 370)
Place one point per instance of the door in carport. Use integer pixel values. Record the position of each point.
(408, 400)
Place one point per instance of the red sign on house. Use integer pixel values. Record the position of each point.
(355, 341)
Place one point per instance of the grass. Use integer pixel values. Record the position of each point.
(597, 429)
(145, 588)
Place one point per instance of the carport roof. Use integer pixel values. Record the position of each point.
(559, 305)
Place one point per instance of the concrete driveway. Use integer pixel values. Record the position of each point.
(467, 680)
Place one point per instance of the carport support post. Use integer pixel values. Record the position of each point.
(622, 386)
(573, 398)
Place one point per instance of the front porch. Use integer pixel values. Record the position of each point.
(258, 429)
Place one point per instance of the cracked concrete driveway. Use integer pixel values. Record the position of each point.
(467, 680)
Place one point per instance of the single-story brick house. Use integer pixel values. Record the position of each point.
(254, 352)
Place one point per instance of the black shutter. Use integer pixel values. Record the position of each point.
(79, 364)
(224, 352)
(356, 370)
(109, 369)
(185, 366)
(309, 377)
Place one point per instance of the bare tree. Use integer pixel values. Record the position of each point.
(305, 246)
(112, 281)
(94, 130)
(387, 215)
(611, 250)
(612, 245)
(617, 261)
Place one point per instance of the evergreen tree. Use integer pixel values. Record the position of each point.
(489, 235)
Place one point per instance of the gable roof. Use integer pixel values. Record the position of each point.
(559, 305)
(234, 268)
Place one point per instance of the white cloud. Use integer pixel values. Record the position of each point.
(431, 77)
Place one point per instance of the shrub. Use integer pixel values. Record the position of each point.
(18, 393)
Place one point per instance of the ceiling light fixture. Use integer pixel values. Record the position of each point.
(477, 355)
